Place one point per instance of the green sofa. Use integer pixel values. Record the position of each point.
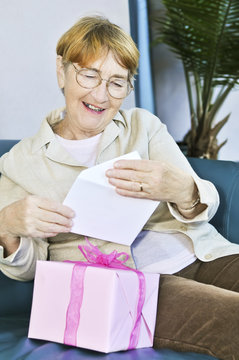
(16, 297)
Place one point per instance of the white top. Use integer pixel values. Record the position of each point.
(84, 151)
(161, 252)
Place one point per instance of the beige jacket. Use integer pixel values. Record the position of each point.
(40, 165)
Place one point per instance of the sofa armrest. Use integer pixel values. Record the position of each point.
(225, 176)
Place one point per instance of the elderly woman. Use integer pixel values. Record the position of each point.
(96, 62)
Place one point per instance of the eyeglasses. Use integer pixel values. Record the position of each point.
(89, 79)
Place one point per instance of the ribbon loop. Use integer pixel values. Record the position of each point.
(94, 256)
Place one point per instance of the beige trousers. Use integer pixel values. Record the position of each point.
(198, 309)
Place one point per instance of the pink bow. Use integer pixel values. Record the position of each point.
(94, 256)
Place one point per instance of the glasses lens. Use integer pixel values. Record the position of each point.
(88, 78)
(118, 88)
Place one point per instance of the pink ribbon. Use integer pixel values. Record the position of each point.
(96, 258)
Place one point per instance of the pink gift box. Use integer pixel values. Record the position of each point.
(108, 308)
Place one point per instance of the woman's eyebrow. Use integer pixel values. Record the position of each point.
(120, 76)
(114, 75)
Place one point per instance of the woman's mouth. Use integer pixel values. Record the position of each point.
(93, 108)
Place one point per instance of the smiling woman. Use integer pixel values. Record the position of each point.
(96, 62)
(93, 56)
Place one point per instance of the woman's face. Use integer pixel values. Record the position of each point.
(89, 111)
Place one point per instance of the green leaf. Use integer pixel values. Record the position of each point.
(205, 36)
(219, 125)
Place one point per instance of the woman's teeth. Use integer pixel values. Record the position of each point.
(93, 107)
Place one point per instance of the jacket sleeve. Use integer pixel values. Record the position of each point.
(162, 147)
(208, 195)
(22, 263)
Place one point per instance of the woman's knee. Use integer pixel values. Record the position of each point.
(222, 272)
(197, 317)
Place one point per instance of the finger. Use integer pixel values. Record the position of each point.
(56, 207)
(133, 194)
(132, 186)
(139, 165)
(129, 175)
(55, 218)
(51, 228)
(42, 229)
(42, 234)
(46, 235)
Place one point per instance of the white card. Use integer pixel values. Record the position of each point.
(101, 212)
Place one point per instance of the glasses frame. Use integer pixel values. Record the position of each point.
(129, 89)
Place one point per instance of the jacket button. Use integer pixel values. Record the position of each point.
(183, 227)
(208, 256)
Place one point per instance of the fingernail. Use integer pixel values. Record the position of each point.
(109, 173)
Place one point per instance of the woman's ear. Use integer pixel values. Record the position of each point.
(60, 71)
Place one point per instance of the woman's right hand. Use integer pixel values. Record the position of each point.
(33, 216)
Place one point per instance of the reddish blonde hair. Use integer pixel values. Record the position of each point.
(93, 36)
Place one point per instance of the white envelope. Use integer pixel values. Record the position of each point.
(101, 212)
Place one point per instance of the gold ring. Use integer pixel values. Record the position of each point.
(141, 187)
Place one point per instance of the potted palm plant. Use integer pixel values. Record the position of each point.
(205, 36)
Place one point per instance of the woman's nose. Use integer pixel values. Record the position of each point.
(100, 93)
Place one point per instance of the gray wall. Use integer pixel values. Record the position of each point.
(29, 31)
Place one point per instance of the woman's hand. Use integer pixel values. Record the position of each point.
(34, 217)
(153, 180)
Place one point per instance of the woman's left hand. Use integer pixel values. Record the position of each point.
(154, 180)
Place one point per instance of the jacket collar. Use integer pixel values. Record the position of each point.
(45, 138)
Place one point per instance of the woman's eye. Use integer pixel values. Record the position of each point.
(89, 76)
(117, 83)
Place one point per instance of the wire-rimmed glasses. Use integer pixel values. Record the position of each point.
(117, 87)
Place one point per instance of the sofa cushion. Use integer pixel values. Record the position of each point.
(6, 145)
(17, 296)
(14, 344)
